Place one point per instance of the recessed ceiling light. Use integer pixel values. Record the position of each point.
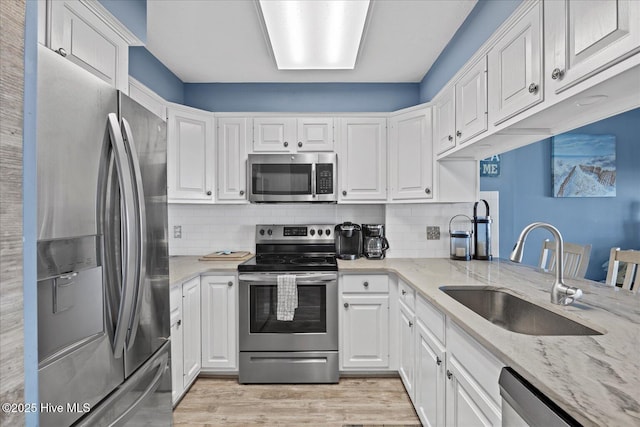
(315, 34)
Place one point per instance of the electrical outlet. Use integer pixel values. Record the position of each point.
(177, 232)
(433, 232)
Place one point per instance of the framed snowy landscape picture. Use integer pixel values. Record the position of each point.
(583, 165)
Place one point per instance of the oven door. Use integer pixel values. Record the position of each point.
(315, 323)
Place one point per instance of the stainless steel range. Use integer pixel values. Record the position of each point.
(303, 346)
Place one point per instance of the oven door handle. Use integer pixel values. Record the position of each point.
(301, 279)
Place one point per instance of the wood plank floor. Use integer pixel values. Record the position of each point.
(354, 401)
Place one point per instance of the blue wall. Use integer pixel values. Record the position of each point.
(483, 20)
(132, 13)
(526, 196)
(302, 97)
(144, 67)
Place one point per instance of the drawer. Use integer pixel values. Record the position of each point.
(365, 283)
(431, 318)
(406, 294)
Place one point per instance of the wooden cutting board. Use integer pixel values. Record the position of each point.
(233, 256)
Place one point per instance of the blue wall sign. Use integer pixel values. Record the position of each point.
(490, 167)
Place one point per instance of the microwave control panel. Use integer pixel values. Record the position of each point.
(324, 178)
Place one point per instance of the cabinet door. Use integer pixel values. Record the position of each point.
(430, 375)
(365, 331)
(471, 102)
(515, 68)
(274, 134)
(219, 322)
(407, 345)
(89, 42)
(411, 156)
(444, 125)
(177, 361)
(315, 134)
(191, 322)
(362, 159)
(233, 135)
(467, 404)
(190, 155)
(585, 37)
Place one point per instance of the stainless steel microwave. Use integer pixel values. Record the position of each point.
(289, 178)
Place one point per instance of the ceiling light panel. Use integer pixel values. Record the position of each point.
(315, 34)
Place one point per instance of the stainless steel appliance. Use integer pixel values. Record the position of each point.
(348, 240)
(103, 283)
(310, 177)
(524, 405)
(305, 349)
(375, 242)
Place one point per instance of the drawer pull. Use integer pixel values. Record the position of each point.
(365, 284)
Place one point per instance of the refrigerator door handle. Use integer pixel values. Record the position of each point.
(128, 233)
(141, 236)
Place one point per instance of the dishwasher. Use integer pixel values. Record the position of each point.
(524, 405)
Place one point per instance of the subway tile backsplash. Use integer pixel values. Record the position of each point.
(208, 228)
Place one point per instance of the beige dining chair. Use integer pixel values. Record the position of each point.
(631, 279)
(576, 258)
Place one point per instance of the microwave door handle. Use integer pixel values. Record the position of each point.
(141, 237)
(313, 180)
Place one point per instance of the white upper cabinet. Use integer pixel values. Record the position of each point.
(362, 159)
(190, 154)
(444, 120)
(515, 68)
(585, 37)
(78, 32)
(411, 156)
(147, 98)
(471, 102)
(234, 133)
(290, 134)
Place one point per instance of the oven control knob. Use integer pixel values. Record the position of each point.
(269, 232)
(320, 232)
(262, 231)
(327, 231)
(313, 232)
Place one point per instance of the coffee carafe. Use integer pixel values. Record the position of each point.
(375, 243)
(348, 240)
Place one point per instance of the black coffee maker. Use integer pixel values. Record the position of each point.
(348, 240)
(375, 243)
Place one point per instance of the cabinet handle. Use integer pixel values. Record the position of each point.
(242, 192)
(61, 52)
(286, 144)
(533, 88)
(438, 361)
(179, 322)
(410, 324)
(344, 193)
(557, 73)
(427, 190)
(450, 138)
(230, 283)
(299, 143)
(208, 193)
(449, 374)
(458, 134)
(404, 292)
(346, 305)
(365, 284)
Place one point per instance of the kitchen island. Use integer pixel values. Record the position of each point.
(594, 378)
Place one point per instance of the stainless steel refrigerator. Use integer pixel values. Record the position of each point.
(103, 274)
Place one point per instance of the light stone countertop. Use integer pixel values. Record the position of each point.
(596, 379)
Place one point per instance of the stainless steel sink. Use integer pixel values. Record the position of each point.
(513, 313)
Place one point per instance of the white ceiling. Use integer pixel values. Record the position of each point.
(223, 41)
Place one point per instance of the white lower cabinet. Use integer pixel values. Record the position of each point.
(185, 336)
(430, 376)
(406, 348)
(364, 322)
(219, 323)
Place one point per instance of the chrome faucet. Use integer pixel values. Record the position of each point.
(560, 293)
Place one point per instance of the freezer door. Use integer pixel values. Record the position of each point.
(146, 136)
(72, 115)
(144, 399)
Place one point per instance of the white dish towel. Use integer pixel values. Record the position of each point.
(287, 297)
